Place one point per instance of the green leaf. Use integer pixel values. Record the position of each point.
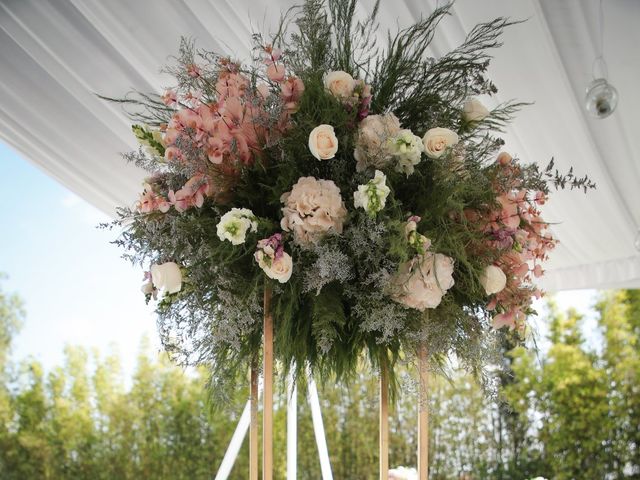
(327, 314)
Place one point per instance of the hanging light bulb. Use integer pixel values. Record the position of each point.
(601, 98)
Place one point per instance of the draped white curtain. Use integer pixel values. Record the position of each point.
(55, 55)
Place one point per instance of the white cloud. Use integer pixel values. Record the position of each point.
(85, 211)
(70, 200)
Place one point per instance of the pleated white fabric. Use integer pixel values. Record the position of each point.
(56, 55)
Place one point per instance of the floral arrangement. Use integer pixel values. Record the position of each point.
(364, 184)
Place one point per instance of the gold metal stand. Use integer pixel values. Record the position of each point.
(253, 426)
(423, 416)
(267, 414)
(384, 422)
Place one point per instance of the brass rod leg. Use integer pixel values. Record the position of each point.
(423, 417)
(267, 415)
(384, 423)
(253, 428)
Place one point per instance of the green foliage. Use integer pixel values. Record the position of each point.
(580, 408)
(11, 318)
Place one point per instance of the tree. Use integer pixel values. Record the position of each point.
(619, 320)
(568, 398)
(572, 413)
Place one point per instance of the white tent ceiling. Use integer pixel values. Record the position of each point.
(55, 54)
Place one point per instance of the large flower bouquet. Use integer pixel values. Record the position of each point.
(362, 184)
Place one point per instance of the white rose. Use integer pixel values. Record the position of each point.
(167, 277)
(323, 142)
(493, 280)
(339, 83)
(437, 140)
(234, 224)
(278, 269)
(372, 197)
(474, 111)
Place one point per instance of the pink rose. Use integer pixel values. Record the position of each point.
(323, 142)
(339, 83)
(437, 140)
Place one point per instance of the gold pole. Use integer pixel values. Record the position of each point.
(267, 414)
(253, 428)
(384, 422)
(423, 416)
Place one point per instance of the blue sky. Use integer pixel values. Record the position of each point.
(77, 290)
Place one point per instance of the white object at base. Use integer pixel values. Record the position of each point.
(318, 428)
(236, 443)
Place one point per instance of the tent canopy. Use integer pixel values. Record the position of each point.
(54, 57)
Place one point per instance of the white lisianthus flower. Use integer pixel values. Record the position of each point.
(493, 280)
(372, 197)
(167, 277)
(235, 224)
(339, 83)
(437, 140)
(323, 142)
(403, 473)
(279, 269)
(474, 111)
(407, 148)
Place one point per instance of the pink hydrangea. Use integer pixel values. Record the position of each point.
(313, 209)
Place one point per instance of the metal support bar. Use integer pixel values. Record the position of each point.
(423, 416)
(253, 432)
(236, 443)
(267, 396)
(384, 422)
(318, 428)
(292, 429)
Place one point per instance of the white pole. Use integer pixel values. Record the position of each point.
(292, 430)
(236, 443)
(318, 428)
